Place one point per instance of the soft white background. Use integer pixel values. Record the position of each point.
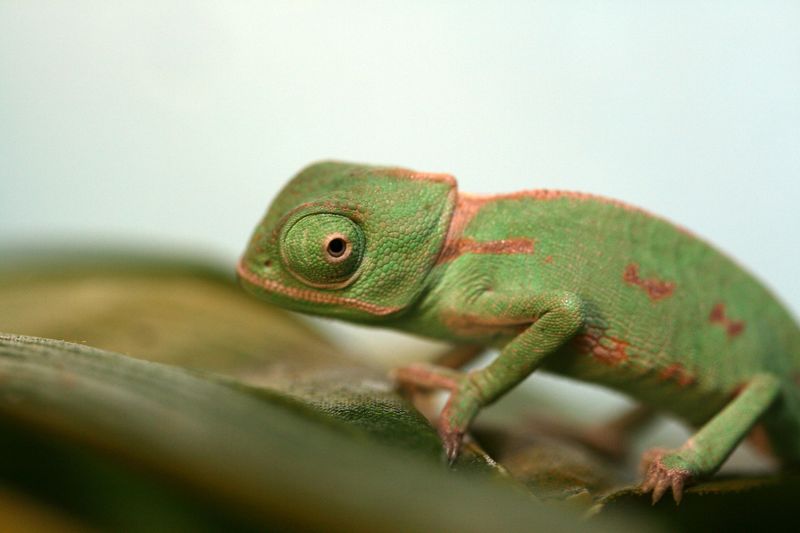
(173, 124)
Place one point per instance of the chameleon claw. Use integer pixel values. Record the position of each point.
(659, 477)
(660, 489)
(647, 485)
(677, 489)
(451, 441)
(450, 434)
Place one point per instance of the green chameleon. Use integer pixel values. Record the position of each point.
(577, 284)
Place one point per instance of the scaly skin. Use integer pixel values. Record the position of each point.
(581, 285)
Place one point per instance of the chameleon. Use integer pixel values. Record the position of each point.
(573, 283)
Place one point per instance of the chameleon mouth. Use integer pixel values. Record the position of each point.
(308, 295)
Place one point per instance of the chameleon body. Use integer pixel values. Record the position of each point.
(574, 283)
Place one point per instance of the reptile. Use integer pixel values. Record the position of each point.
(573, 283)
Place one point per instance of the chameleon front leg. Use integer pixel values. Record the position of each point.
(705, 452)
(553, 318)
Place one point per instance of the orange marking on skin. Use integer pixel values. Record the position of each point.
(611, 353)
(501, 247)
(655, 288)
(718, 316)
(467, 206)
(548, 195)
(676, 372)
(552, 194)
(309, 295)
(735, 328)
(548, 259)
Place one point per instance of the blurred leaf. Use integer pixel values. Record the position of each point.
(259, 462)
(99, 488)
(158, 309)
(720, 504)
(19, 513)
(551, 468)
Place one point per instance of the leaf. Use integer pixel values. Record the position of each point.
(720, 504)
(552, 468)
(23, 514)
(260, 462)
(159, 309)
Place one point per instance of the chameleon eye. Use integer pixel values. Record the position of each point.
(323, 250)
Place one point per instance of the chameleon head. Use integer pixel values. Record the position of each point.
(350, 241)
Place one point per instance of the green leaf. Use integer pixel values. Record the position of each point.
(260, 462)
(159, 309)
(552, 468)
(720, 504)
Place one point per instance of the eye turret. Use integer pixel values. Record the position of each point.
(323, 250)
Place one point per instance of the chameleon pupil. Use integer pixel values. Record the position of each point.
(336, 247)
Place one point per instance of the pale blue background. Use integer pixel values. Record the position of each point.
(173, 124)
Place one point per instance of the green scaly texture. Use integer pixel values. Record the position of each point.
(584, 245)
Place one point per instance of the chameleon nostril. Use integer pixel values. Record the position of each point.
(268, 263)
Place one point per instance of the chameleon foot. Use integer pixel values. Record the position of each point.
(660, 476)
(460, 409)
